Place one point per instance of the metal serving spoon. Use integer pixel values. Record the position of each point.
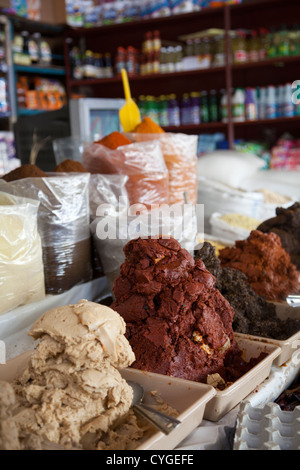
(293, 300)
(163, 422)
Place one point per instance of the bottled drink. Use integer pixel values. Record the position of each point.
(250, 105)
(280, 101)
(88, 65)
(284, 44)
(224, 106)
(254, 47)
(262, 103)
(163, 112)
(240, 54)
(194, 109)
(287, 104)
(238, 105)
(173, 111)
(204, 107)
(213, 106)
(271, 103)
(185, 110)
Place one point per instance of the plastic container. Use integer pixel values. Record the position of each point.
(186, 397)
(226, 400)
(219, 199)
(290, 346)
(220, 228)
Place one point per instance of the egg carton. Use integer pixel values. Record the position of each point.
(267, 428)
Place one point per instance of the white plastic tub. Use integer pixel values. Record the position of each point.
(226, 400)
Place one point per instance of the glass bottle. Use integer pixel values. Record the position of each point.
(239, 48)
(284, 43)
(204, 107)
(254, 47)
(213, 106)
(219, 55)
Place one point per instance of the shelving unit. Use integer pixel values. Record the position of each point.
(24, 122)
(249, 15)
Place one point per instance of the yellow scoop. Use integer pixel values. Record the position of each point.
(130, 115)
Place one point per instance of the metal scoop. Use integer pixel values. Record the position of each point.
(163, 422)
(293, 300)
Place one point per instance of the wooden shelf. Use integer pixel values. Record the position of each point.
(203, 126)
(253, 14)
(260, 122)
(275, 61)
(146, 23)
(150, 77)
(40, 70)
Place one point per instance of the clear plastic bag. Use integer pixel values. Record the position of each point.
(125, 227)
(180, 155)
(21, 261)
(109, 190)
(143, 163)
(63, 223)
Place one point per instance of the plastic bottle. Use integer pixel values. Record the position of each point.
(272, 44)
(185, 109)
(224, 106)
(238, 105)
(142, 105)
(254, 47)
(213, 106)
(240, 54)
(262, 103)
(284, 43)
(173, 111)
(250, 105)
(195, 117)
(287, 104)
(271, 103)
(163, 112)
(263, 44)
(204, 107)
(280, 101)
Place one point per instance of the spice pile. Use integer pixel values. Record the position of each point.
(178, 323)
(266, 264)
(286, 225)
(253, 314)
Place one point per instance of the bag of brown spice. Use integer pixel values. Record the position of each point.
(63, 223)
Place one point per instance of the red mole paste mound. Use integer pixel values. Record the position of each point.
(266, 264)
(178, 324)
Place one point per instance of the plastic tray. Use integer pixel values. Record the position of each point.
(188, 398)
(290, 346)
(226, 400)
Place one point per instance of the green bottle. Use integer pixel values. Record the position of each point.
(204, 107)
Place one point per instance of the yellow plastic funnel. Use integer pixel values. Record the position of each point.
(130, 115)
